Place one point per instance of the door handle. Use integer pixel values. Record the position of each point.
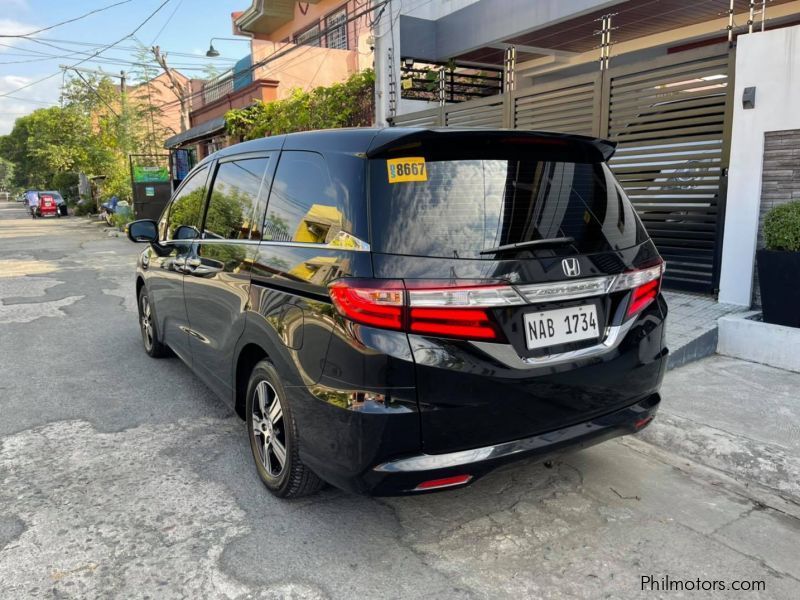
(195, 266)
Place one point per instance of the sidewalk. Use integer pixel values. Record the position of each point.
(692, 326)
(738, 417)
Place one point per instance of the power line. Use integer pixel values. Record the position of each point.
(31, 100)
(130, 48)
(164, 26)
(306, 46)
(95, 92)
(78, 18)
(107, 60)
(131, 34)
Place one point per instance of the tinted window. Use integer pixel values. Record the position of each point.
(465, 206)
(308, 204)
(186, 209)
(234, 196)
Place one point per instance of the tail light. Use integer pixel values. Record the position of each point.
(645, 284)
(376, 303)
(430, 308)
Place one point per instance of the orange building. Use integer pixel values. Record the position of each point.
(292, 45)
(157, 92)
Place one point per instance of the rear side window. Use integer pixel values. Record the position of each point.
(237, 188)
(314, 204)
(457, 208)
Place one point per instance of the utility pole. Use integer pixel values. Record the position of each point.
(122, 82)
(176, 85)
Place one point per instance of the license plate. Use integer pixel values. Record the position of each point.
(561, 326)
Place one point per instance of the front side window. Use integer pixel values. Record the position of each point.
(337, 29)
(235, 194)
(308, 205)
(186, 209)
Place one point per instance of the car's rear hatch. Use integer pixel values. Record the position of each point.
(519, 257)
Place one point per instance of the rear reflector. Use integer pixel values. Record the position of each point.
(435, 484)
(641, 423)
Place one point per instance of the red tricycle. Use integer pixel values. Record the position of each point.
(47, 206)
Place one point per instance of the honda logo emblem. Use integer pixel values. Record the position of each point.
(571, 266)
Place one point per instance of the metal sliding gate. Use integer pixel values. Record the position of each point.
(671, 119)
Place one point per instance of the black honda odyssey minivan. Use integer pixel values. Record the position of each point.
(396, 311)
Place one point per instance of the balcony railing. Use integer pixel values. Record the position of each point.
(216, 89)
(434, 82)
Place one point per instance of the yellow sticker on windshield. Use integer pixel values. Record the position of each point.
(410, 168)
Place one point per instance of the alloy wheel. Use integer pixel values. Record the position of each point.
(146, 321)
(268, 428)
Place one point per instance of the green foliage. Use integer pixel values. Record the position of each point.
(782, 227)
(93, 132)
(86, 207)
(346, 104)
(7, 175)
(122, 217)
(67, 184)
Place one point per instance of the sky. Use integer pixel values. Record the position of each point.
(179, 27)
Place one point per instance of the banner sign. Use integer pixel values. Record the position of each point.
(150, 174)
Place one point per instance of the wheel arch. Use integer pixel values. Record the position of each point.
(249, 356)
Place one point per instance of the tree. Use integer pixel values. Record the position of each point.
(149, 113)
(93, 132)
(6, 175)
(180, 88)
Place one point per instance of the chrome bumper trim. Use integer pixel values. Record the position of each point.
(506, 354)
(545, 442)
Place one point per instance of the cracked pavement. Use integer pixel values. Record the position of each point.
(121, 476)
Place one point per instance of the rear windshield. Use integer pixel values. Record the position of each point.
(427, 206)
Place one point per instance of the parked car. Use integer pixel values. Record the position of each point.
(397, 311)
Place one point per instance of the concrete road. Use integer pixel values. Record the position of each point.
(122, 476)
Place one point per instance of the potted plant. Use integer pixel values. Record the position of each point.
(779, 265)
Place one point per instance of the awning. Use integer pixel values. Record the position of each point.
(197, 132)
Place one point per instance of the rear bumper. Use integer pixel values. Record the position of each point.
(402, 475)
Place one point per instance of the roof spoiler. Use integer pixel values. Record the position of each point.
(400, 139)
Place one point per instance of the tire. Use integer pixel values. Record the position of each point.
(147, 326)
(276, 435)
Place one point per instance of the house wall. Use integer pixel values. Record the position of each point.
(770, 61)
(305, 67)
(265, 91)
(314, 13)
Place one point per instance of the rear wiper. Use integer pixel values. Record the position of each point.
(556, 241)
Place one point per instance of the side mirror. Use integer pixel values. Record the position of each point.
(186, 233)
(145, 230)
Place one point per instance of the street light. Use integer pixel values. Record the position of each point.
(213, 52)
